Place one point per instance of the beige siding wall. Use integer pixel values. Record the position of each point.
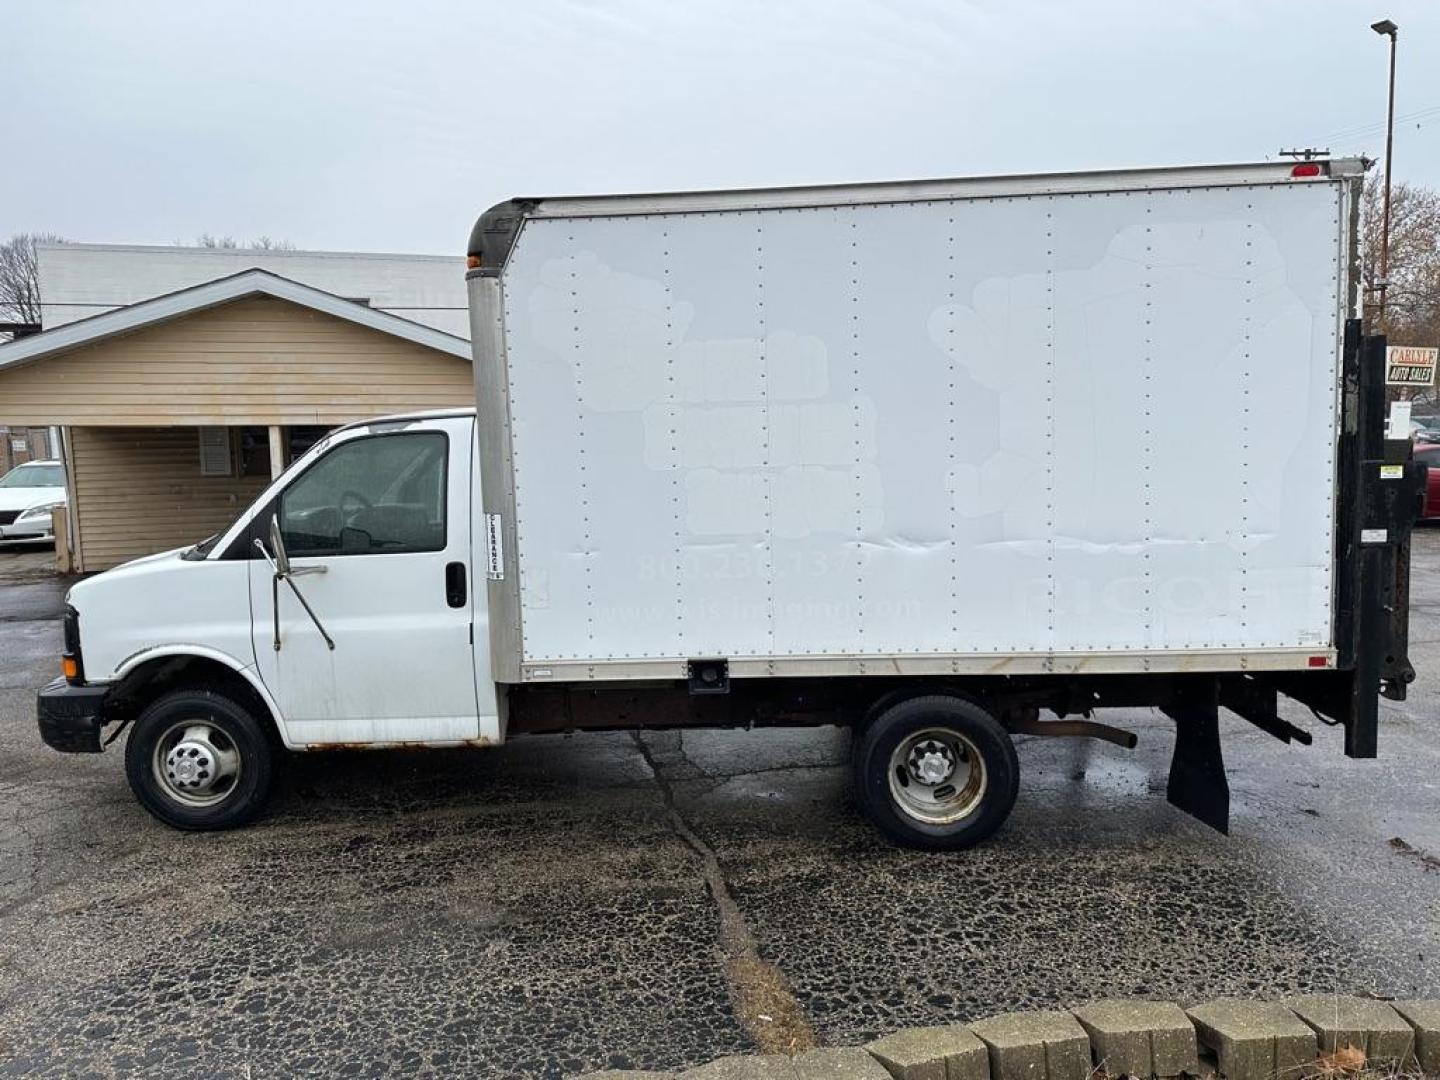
(139, 490)
(254, 361)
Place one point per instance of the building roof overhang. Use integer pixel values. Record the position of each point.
(247, 283)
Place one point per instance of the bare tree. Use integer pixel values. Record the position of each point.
(1412, 299)
(229, 243)
(20, 277)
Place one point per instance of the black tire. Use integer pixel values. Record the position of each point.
(969, 735)
(238, 736)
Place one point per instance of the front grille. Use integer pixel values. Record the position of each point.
(7, 516)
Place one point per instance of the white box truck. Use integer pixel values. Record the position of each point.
(929, 459)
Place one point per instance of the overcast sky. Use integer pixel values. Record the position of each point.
(387, 126)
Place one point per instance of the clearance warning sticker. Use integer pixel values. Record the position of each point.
(1410, 365)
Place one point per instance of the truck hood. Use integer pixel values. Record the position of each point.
(126, 577)
(163, 604)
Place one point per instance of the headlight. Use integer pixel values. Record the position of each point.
(39, 511)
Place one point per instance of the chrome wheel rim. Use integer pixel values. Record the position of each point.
(196, 764)
(937, 776)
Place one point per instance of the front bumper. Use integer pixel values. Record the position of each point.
(32, 529)
(70, 717)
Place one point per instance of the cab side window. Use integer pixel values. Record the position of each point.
(381, 494)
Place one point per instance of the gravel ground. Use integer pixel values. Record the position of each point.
(550, 906)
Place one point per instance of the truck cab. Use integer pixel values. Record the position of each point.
(337, 611)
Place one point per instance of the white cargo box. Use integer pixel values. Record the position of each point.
(1079, 422)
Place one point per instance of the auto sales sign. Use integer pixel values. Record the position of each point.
(1410, 365)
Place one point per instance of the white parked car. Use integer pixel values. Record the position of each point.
(27, 495)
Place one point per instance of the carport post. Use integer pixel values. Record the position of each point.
(277, 451)
(72, 504)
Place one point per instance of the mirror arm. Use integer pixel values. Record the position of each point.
(275, 605)
(277, 575)
(260, 547)
(274, 589)
(308, 611)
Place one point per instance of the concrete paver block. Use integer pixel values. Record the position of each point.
(1424, 1017)
(1372, 1026)
(1035, 1046)
(838, 1064)
(1140, 1038)
(1256, 1040)
(744, 1067)
(945, 1052)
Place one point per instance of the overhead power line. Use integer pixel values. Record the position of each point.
(1370, 129)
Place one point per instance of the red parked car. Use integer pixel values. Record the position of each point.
(1429, 454)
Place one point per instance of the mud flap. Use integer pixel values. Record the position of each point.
(1197, 769)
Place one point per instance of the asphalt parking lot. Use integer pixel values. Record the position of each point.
(551, 906)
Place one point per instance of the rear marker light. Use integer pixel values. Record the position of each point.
(1319, 661)
(1308, 168)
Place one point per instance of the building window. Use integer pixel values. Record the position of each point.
(215, 451)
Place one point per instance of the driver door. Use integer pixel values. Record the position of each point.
(377, 532)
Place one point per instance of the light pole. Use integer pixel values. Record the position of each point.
(1386, 28)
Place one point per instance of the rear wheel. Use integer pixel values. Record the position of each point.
(936, 772)
(199, 760)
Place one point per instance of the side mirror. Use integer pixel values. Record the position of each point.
(277, 545)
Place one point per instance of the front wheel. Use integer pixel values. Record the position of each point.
(198, 760)
(936, 772)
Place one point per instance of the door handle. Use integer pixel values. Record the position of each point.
(455, 584)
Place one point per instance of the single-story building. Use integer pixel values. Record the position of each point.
(174, 412)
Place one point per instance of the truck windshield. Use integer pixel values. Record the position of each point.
(34, 476)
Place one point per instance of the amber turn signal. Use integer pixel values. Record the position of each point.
(70, 667)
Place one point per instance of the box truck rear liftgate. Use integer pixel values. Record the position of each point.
(927, 459)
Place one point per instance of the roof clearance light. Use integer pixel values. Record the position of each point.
(1306, 168)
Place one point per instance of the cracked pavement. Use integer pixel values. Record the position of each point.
(535, 910)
